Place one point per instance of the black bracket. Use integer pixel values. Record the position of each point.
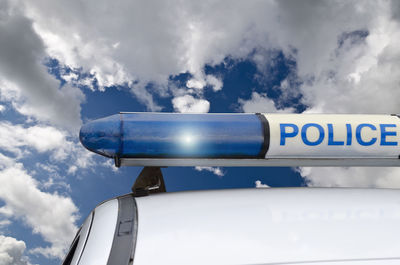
(149, 181)
(117, 161)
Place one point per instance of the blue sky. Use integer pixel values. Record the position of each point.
(63, 64)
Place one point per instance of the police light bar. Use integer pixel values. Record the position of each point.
(175, 139)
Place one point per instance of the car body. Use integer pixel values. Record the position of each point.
(243, 226)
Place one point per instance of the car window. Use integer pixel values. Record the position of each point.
(71, 252)
(79, 242)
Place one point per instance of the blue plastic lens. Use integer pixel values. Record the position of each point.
(172, 135)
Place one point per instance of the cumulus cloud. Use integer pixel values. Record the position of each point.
(362, 74)
(200, 83)
(12, 251)
(215, 83)
(50, 215)
(261, 103)
(41, 138)
(335, 60)
(109, 163)
(171, 38)
(162, 39)
(215, 170)
(24, 80)
(195, 83)
(359, 73)
(380, 177)
(20, 140)
(190, 104)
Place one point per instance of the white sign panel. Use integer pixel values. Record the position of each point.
(333, 136)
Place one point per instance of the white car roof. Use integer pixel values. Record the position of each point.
(269, 226)
(245, 226)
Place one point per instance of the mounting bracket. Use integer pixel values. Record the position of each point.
(149, 181)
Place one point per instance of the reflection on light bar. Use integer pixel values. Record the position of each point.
(172, 139)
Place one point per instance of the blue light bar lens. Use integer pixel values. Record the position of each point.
(102, 136)
(172, 135)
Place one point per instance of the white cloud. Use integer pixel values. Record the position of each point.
(21, 140)
(363, 75)
(200, 82)
(381, 177)
(52, 182)
(4, 223)
(24, 80)
(109, 163)
(259, 184)
(261, 103)
(72, 170)
(12, 251)
(5, 161)
(52, 169)
(170, 39)
(360, 73)
(190, 104)
(42, 138)
(214, 82)
(215, 170)
(2, 108)
(48, 214)
(163, 39)
(166, 39)
(195, 83)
